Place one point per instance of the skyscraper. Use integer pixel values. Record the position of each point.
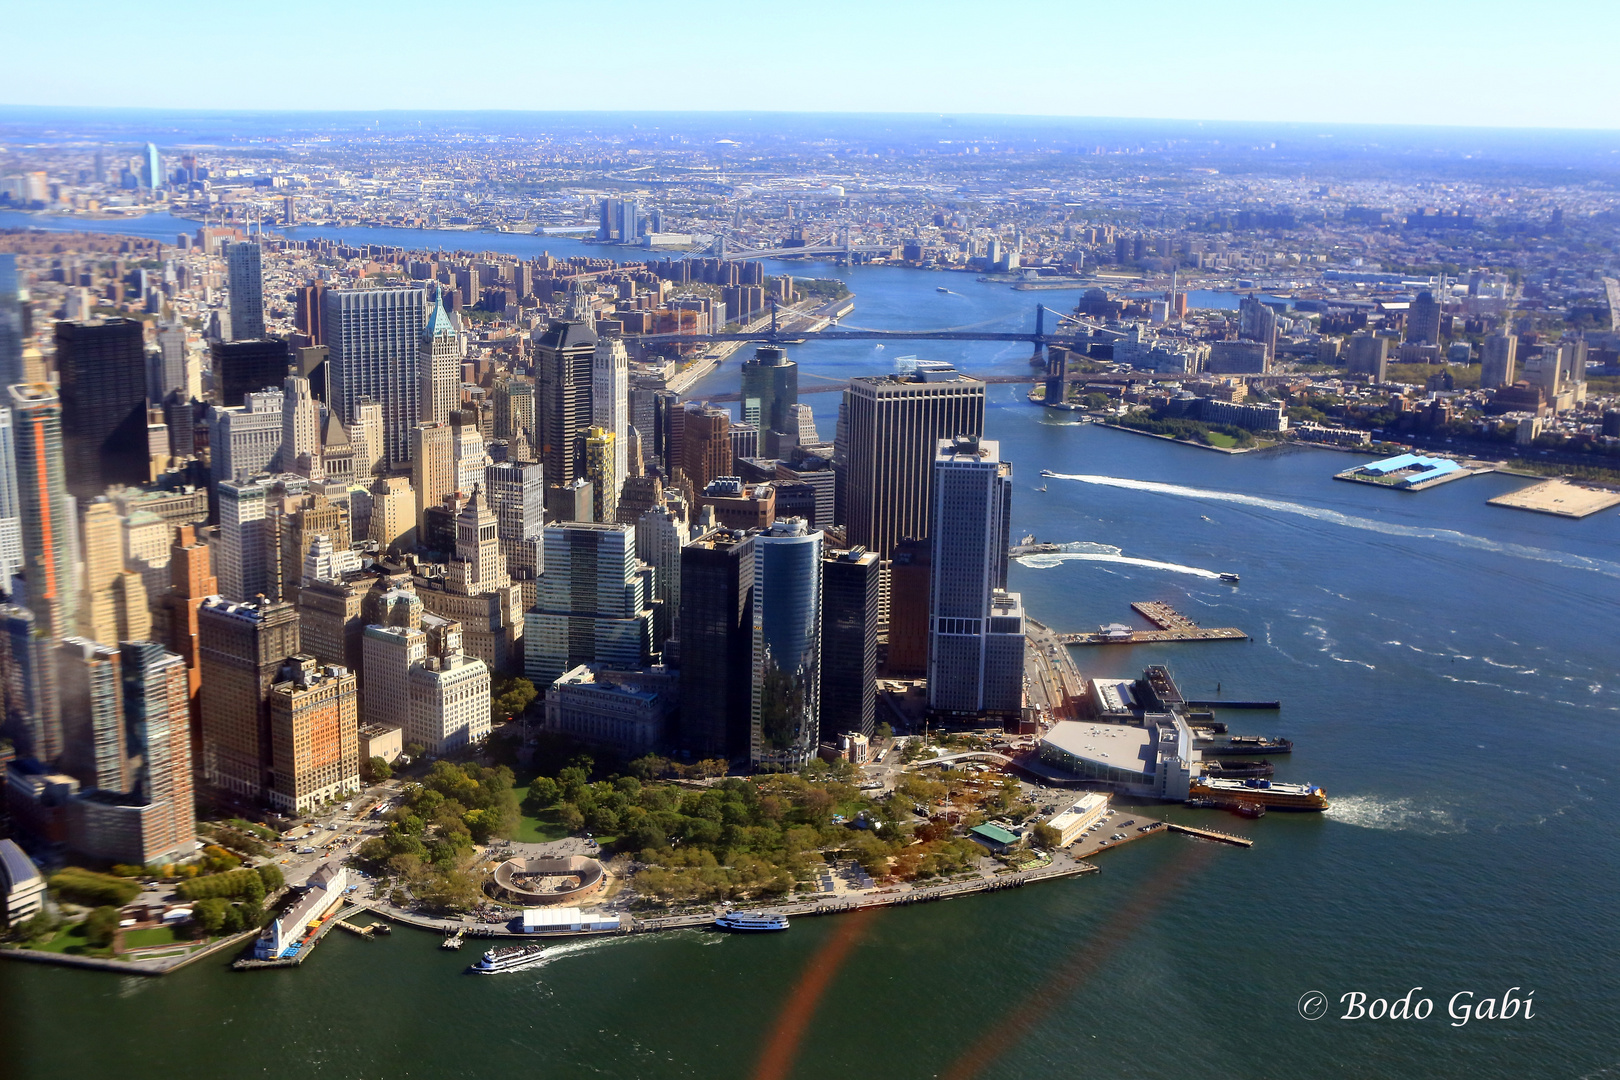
(94, 750)
(1423, 322)
(786, 685)
(433, 467)
(191, 580)
(46, 509)
(602, 451)
(770, 389)
(849, 626)
(1257, 321)
(565, 359)
(151, 167)
(247, 366)
(375, 338)
(102, 370)
(243, 551)
(300, 429)
(314, 714)
(157, 724)
(592, 606)
(11, 542)
(894, 423)
(245, 280)
(661, 533)
(971, 667)
(610, 404)
(245, 440)
(717, 645)
(1498, 357)
(114, 606)
(517, 496)
(12, 321)
(243, 648)
(705, 444)
(441, 364)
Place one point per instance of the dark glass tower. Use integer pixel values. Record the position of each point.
(849, 624)
(102, 367)
(770, 388)
(717, 628)
(243, 367)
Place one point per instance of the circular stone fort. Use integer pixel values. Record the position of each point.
(540, 881)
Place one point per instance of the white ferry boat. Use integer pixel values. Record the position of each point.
(751, 922)
(508, 958)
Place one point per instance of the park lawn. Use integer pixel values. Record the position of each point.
(1220, 439)
(72, 942)
(152, 937)
(540, 829)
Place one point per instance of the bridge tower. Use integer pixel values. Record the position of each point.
(1039, 356)
(720, 247)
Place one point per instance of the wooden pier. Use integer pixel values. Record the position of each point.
(1212, 834)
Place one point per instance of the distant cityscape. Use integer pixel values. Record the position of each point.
(301, 534)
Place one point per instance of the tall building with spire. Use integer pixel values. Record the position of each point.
(441, 363)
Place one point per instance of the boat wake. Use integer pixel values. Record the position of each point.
(1083, 551)
(1349, 521)
(1393, 815)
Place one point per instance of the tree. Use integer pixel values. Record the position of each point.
(272, 877)
(1046, 837)
(543, 792)
(571, 818)
(885, 730)
(100, 926)
(210, 914)
(377, 768)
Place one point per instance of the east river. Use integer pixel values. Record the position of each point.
(1447, 671)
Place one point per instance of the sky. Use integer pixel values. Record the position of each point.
(1486, 63)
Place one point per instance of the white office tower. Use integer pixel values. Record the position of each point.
(517, 495)
(785, 718)
(804, 425)
(610, 401)
(387, 654)
(300, 429)
(471, 459)
(592, 606)
(11, 321)
(11, 544)
(366, 436)
(324, 562)
(375, 338)
(245, 279)
(244, 440)
(441, 364)
(172, 374)
(242, 558)
(660, 534)
(976, 627)
(449, 692)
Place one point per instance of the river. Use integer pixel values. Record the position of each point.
(1447, 671)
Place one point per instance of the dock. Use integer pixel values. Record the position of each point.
(1212, 834)
(1559, 498)
(1171, 626)
(308, 947)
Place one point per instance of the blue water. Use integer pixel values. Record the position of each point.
(1448, 673)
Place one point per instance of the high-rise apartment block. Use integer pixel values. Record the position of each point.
(1498, 357)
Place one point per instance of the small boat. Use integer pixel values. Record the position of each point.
(943, 289)
(751, 922)
(451, 941)
(508, 958)
(1041, 488)
(1230, 579)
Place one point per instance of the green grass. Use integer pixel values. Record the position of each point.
(541, 829)
(72, 942)
(153, 937)
(1216, 438)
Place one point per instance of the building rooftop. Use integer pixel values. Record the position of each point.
(1119, 746)
(18, 868)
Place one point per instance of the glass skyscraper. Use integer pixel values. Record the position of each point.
(786, 688)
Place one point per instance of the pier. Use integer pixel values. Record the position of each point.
(1171, 626)
(1559, 498)
(1212, 834)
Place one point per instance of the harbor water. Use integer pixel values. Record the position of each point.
(1447, 671)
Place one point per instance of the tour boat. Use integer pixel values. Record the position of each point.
(508, 958)
(751, 922)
